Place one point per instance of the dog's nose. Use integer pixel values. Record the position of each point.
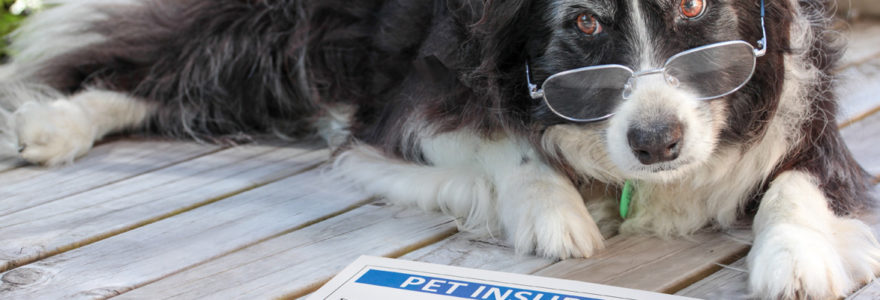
(656, 142)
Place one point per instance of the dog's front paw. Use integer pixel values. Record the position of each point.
(53, 133)
(557, 231)
(791, 262)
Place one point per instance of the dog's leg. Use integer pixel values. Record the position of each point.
(57, 132)
(487, 184)
(802, 250)
(462, 192)
(539, 208)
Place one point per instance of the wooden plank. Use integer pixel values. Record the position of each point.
(143, 255)
(9, 163)
(297, 263)
(862, 40)
(83, 218)
(869, 292)
(862, 138)
(472, 251)
(858, 89)
(30, 186)
(729, 283)
(640, 262)
(650, 263)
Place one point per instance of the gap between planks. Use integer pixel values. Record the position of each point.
(154, 251)
(859, 117)
(25, 188)
(299, 160)
(295, 264)
(308, 289)
(329, 216)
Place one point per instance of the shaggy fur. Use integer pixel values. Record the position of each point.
(427, 105)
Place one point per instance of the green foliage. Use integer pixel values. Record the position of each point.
(8, 23)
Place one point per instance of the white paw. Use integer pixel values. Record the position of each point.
(556, 229)
(793, 262)
(53, 133)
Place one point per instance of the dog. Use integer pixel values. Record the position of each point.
(522, 118)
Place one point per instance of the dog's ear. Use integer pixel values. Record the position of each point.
(501, 31)
(503, 27)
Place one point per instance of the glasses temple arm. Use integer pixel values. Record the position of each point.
(534, 91)
(762, 43)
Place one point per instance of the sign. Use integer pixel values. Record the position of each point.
(379, 278)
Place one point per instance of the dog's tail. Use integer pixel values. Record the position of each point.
(213, 67)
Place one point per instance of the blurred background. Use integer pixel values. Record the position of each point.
(14, 11)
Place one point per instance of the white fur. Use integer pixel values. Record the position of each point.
(61, 28)
(654, 99)
(12, 96)
(334, 124)
(490, 185)
(57, 132)
(642, 40)
(802, 250)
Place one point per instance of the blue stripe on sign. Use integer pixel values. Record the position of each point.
(456, 288)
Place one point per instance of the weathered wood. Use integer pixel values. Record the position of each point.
(862, 40)
(640, 262)
(30, 186)
(863, 138)
(143, 255)
(869, 292)
(92, 215)
(858, 87)
(729, 283)
(297, 263)
(9, 163)
(471, 251)
(650, 263)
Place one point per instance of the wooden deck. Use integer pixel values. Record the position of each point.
(151, 219)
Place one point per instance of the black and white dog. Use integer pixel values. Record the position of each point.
(520, 117)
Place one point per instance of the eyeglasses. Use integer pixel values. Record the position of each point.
(592, 93)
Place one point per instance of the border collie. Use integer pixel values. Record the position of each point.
(525, 118)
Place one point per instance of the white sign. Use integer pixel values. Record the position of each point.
(377, 278)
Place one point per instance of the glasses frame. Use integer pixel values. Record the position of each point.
(536, 92)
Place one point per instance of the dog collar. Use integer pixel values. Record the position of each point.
(626, 198)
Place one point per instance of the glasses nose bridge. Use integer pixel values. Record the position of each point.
(648, 72)
(630, 84)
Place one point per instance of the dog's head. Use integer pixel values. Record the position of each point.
(650, 126)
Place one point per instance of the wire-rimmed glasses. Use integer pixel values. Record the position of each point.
(592, 93)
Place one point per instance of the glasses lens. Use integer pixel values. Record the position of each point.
(586, 94)
(712, 71)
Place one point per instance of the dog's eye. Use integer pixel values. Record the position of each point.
(692, 9)
(588, 24)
